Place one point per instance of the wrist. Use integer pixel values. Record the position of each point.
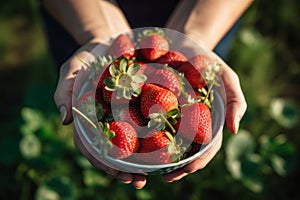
(202, 39)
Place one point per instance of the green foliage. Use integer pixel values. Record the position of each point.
(38, 159)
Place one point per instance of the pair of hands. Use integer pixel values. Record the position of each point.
(235, 109)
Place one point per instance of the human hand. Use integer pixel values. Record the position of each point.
(235, 109)
(73, 69)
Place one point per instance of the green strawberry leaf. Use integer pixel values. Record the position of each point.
(110, 83)
(133, 69)
(139, 78)
(113, 70)
(173, 113)
(123, 65)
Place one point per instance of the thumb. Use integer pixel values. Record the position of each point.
(65, 88)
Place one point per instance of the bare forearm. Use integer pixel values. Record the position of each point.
(87, 20)
(208, 20)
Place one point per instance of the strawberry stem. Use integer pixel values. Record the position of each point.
(82, 61)
(209, 90)
(85, 117)
(168, 123)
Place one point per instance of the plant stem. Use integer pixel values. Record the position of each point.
(85, 117)
(168, 123)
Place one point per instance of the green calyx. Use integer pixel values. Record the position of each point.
(206, 94)
(161, 121)
(92, 107)
(175, 148)
(125, 79)
(98, 140)
(96, 65)
(148, 32)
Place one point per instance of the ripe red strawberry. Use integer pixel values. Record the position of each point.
(158, 147)
(123, 137)
(131, 114)
(122, 46)
(188, 96)
(172, 59)
(195, 123)
(166, 79)
(145, 68)
(193, 70)
(153, 46)
(155, 99)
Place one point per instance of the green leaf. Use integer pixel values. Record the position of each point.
(285, 112)
(93, 178)
(173, 113)
(254, 184)
(30, 147)
(238, 148)
(139, 78)
(110, 82)
(114, 70)
(135, 86)
(33, 120)
(56, 188)
(240, 145)
(133, 69)
(123, 65)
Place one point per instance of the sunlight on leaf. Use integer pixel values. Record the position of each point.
(30, 147)
(284, 112)
(237, 149)
(94, 178)
(33, 120)
(56, 188)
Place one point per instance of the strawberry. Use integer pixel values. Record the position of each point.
(124, 81)
(172, 59)
(131, 114)
(145, 68)
(123, 137)
(155, 99)
(158, 147)
(193, 70)
(122, 46)
(195, 123)
(153, 46)
(166, 79)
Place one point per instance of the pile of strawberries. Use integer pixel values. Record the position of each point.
(152, 104)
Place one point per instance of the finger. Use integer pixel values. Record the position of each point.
(125, 177)
(97, 164)
(235, 101)
(64, 90)
(196, 165)
(139, 181)
(68, 73)
(175, 176)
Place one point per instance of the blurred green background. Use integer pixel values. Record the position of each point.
(39, 161)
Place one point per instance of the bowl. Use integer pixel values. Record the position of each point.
(89, 130)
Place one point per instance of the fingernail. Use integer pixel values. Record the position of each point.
(63, 113)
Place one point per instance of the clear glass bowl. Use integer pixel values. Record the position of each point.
(89, 138)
